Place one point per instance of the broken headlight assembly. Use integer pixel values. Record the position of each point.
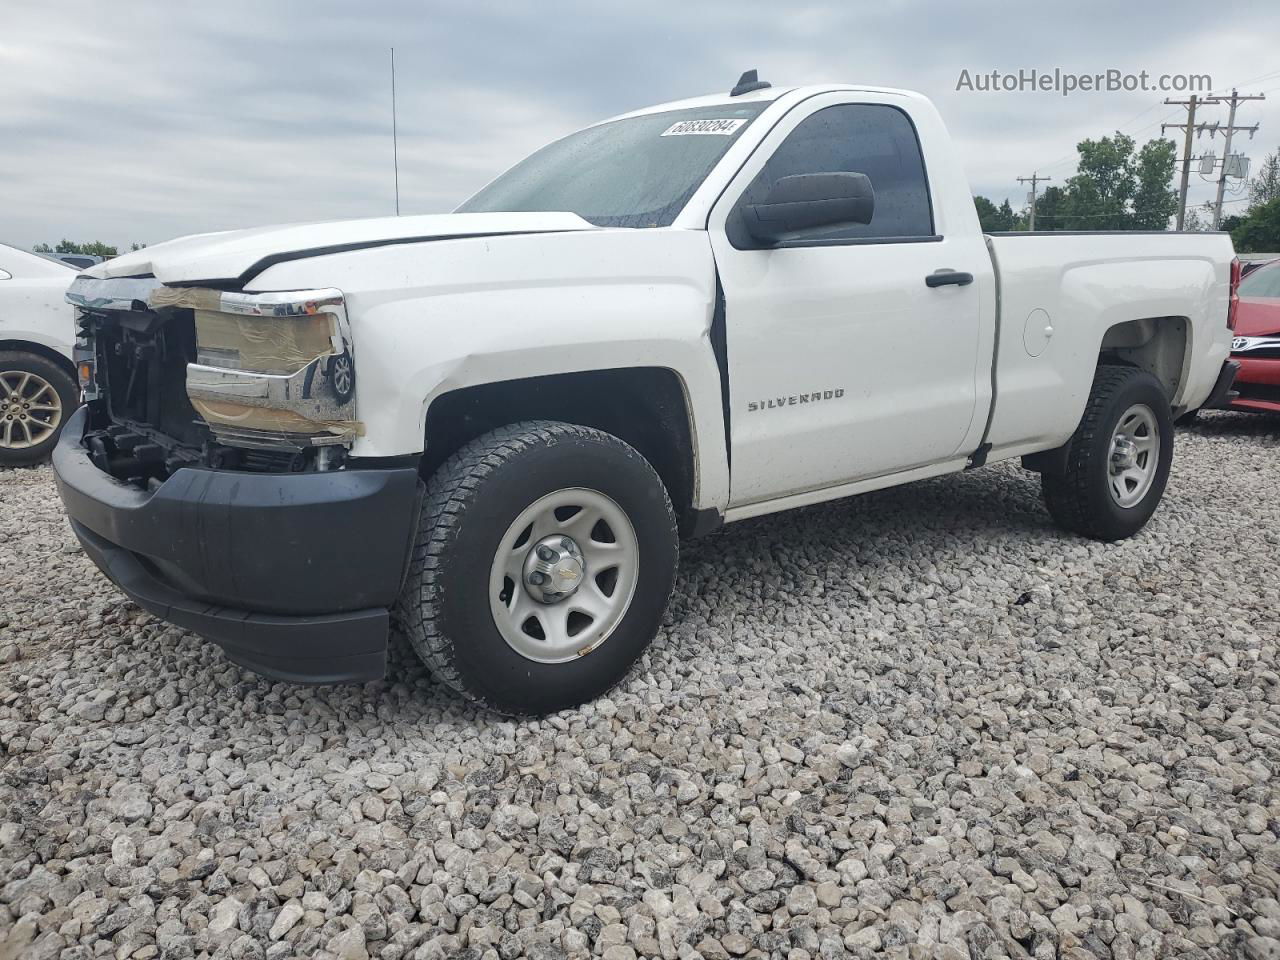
(272, 370)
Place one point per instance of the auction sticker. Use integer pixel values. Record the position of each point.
(685, 128)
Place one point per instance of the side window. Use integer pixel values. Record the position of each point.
(873, 139)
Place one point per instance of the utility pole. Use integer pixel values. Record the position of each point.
(1186, 151)
(1228, 130)
(1033, 180)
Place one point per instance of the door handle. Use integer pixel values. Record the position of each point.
(943, 277)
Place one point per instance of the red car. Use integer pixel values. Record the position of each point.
(1257, 341)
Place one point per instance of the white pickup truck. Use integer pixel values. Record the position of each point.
(492, 426)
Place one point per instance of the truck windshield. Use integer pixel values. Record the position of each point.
(635, 172)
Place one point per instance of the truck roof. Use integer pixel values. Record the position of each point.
(755, 96)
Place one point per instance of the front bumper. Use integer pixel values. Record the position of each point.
(291, 574)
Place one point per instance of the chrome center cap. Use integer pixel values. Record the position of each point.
(1124, 454)
(554, 569)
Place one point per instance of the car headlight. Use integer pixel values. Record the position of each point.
(270, 368)
(236, 342)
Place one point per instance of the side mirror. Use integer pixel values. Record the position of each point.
(805, 201)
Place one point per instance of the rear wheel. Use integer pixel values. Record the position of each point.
(1117, 462)
(545, 558)
(36, 397)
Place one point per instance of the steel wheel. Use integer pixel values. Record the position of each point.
(30, 409)
(1135, 454)
(564, 575)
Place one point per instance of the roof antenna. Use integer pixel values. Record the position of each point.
(747, 82)
(395, 142)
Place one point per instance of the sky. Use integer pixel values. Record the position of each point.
(138, 121)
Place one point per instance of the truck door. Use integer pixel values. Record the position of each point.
(844, 363)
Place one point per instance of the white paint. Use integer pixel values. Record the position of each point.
(32, 304)
(444, 302)
(227, 255)
(1037, 332)
(857, 317)
(1088, 283)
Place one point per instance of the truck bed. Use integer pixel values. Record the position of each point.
(1057, 293)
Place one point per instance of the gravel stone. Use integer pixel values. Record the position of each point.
(919, 723)
(801, 900)
(289, 915)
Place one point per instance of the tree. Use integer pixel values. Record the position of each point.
(42, 248)
(1007, 216)
(1195, 223)
(95, 249)
(994, 219)
(1114, 188)
(1259, 232)
(1155, 201)
(987, 214)
(1051, 209)
(1265, 187)
(1098, 196)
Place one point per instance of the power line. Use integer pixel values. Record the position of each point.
(1260, 77)
(1158, 103)
(1120, 129)
(1234, 100)
(1187, 158)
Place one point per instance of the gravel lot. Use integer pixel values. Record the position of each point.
(921, 723)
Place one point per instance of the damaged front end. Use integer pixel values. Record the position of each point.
(192, 376)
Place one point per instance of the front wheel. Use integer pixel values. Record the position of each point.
(1117, 462)
(544, 562)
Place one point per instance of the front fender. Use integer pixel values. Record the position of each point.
(431, 318)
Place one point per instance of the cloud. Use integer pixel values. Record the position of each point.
(141, 121)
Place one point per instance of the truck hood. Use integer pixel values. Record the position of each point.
(237, 255)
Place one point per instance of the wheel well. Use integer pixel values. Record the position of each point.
(40, 350)
(645, 406)
(1155, 344)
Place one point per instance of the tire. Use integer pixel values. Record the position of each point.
(473, 504)
(1083, 497)
(36, 394)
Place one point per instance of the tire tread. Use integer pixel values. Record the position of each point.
(450, 491)
(1066, 493)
